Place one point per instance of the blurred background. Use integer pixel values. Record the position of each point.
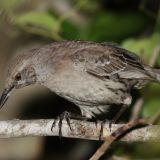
(25, 24)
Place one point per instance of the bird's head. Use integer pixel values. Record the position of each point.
(20, 73)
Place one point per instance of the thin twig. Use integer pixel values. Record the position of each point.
(154, 57)
(115, 157)
(137, 109)
(114, 136)
(154, 119)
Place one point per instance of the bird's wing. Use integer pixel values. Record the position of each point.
(107, 60)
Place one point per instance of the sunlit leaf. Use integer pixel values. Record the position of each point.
(151, 106)
(41, 23)
(143, 46)
(9, 4)
(86, 5)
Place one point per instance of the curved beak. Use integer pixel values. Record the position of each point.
(5, 95)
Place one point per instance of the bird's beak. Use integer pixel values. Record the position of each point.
(5, 95)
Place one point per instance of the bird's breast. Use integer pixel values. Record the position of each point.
(81, 87)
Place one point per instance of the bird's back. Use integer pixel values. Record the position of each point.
(99, 59)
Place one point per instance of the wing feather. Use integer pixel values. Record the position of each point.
(107, 60)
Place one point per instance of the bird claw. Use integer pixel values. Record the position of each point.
(96, 123)
(65, 115)
(102, 126)
(110, 125)
(101, 130)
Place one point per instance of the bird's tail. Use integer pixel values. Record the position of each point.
(157, 74)
(154, 73)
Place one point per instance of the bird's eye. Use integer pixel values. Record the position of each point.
(18, 77)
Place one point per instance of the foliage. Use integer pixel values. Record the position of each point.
(135, 26)
(143, 46)
(41, 23)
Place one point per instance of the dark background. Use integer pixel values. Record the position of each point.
(25, 24)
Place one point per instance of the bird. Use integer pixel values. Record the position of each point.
(94, 76)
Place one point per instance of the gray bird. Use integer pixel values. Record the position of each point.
(92, 75)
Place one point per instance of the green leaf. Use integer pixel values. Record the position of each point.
(9, 4)
(70, 31)
(146, 46)
(40, 23)
(152, 151)
(86, 5)
(143, 46)
(115, 26)
(151, 106)
(157, 26)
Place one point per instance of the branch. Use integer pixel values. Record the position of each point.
(154, 56)
(115, 135)
(80, 129)
(137, 109)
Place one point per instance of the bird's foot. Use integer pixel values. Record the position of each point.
(110, 122)
(101, 127)
(65, 115)
(116, 117)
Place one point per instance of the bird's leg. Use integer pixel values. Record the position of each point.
(101, 127)
(97, 122)
(117, 116)
(67, 116)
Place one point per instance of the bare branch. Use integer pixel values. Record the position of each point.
(154, 56)
(114, 136)
(80, 129)
(155, 118)
(137, 109)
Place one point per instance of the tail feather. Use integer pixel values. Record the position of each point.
(157, 74)
(154, 73)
